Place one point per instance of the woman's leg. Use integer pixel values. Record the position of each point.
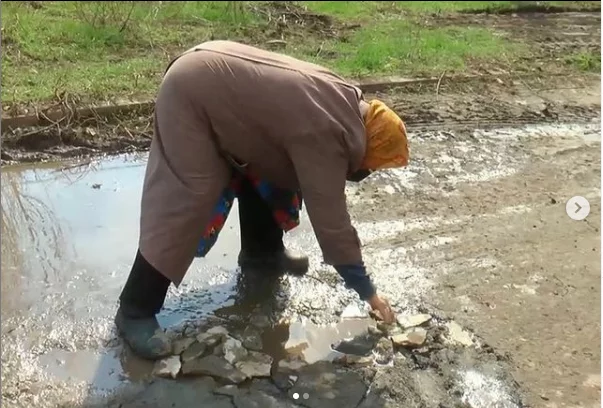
(185, 177)
(261, 237)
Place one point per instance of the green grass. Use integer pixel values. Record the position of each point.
(585, 61)
(118, 50)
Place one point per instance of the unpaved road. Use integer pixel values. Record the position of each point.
(474, 230)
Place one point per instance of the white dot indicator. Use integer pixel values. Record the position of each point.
(306, 395)
(295, 396)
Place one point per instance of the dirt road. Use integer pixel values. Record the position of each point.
(473, 233)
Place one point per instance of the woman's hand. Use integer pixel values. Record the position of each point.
(382, 306)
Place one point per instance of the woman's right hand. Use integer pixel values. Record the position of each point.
(382, 306)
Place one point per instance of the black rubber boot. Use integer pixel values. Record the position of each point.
(262, 239)
(141, 299)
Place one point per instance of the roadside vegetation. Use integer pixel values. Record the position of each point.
(93, 51)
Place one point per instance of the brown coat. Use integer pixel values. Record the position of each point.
(296, 124)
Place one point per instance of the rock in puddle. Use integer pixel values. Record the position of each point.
(214, 366)
(412, 338)
(234, 350)
(408, 322)
(384, 351)
(228, 390)
(255, 365)
(260, 321)
(168, 367)
(180, 345)
(263, 394)
(252, 339)
(213, 336)
(329, 386)
(361, 345)
(352, 360)
(291, 365)
(195, 350)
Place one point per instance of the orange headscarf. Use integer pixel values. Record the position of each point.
(387, 145)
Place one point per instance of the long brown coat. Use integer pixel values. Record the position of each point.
(296, 124)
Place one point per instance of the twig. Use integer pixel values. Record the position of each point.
(438, 85)
(127, 20)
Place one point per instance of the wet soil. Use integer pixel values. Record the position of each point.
(473, 231)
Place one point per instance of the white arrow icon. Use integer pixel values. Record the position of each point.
(577, 208)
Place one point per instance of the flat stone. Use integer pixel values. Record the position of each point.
(388, 329)
(260, 321)
(291, 365)
(219, 350)
(352, 311)
(168, 367)
(196, 350)
(213, 336)
(252, 339)
(384, 351)
(356, 361)
(259, 399)
(185, 393)
(408, 322)
(234, 350)
(182, 344)
(361, 345)
(412, 338)
(255, 365)
(329, 386)
(457, 335)
(229, 390)
(214, 366)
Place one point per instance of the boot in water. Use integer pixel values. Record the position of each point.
(144, 336)
(285, 261)
(140, 301)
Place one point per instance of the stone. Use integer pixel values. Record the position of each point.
(373, 330)
(412, 338)
(388, 329)
(259, 399)
(228, 390)
(255, 365)
(352, 311)
(196, 350)
(252, 340)
(234, 350)
(329, 386)
(356, 361)
(408, 322)
(457, 335)
(214, 366)
(291, 365)
(260, 321)
(213, 336)
(361, 345)
(168, 367)
(181, 344)
(219, 350)
(384, 351)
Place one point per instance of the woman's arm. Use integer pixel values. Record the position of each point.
(321, 170)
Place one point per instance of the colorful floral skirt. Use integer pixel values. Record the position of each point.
(285, 204)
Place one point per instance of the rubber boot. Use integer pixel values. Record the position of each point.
(141, 299)
(262, 245)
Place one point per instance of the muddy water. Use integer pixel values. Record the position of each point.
(69, 235)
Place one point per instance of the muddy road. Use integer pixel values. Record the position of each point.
(473, 234)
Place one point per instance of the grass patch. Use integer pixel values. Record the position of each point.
(107, 50)
(585, 61)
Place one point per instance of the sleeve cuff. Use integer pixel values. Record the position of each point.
(356, 278)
